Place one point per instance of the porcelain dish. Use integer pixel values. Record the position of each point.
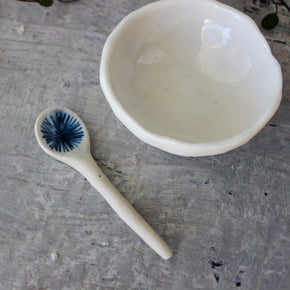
(191, 77)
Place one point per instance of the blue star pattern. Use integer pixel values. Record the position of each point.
(61, 131)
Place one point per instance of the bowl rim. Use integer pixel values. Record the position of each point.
(163, 142)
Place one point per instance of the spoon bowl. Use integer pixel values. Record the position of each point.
(62, 134)
(191, 77)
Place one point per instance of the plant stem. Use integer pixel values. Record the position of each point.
(283, 3)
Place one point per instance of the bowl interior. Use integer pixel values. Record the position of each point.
(194, 71)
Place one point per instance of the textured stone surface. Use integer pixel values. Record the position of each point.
(226, 217)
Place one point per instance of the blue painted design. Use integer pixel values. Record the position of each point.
(61, 131)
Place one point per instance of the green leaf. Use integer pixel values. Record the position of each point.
(45, 3)
(270, 21)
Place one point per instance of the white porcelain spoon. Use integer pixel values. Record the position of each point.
(63, 135)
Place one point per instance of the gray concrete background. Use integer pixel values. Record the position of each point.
(225, 217)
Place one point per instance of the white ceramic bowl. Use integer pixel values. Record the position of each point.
(191, 77)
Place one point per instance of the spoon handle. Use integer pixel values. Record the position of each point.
(91, 171)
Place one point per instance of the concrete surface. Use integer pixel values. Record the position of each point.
(226, 217)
